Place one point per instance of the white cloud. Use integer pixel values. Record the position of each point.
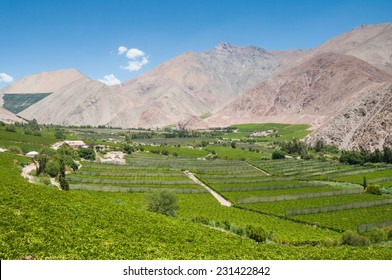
(135, 65)
(5, 78)
(136, 58)
(135, 53)
(110, 80)
(122, 50)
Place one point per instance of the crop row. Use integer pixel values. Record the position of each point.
(124, 189)
(280, 207)
(319, 192)
(349, 219)
(333, 208)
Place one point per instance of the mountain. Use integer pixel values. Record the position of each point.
(8, 117)
(371, 43)
(82, 102)
(45, 82)
(193, 84)
(189, 85)
(231, 84)
(366, 122)
(311, 92)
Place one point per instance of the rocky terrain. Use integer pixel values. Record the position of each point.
(366, 122)
(341, 88)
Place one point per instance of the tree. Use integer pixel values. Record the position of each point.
(42, 161)
(59, 135)
(365, 185)
(278, 154)
(163, 202)
(87, 153)
(63, 182)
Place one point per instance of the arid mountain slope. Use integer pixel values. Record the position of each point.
(196, 83)
(311, 92)
(8, 117)
(366, 122)
(81, 102)
(44, 82)
(371, 43)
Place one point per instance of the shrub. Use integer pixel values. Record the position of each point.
(163, 202)
(388, 231)
(278, 154)
(10, 128)
(165, 152)
(373, 189)
(354, 239)
(59, 135)
(87, 153)
(15, 150)
(52, 168)
(45, 181)
(256, 233)
(377, 235)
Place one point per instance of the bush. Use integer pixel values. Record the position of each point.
(278, 154)
(377, 235)
(59, 135)
(388, 231)
(45, 181)
(87, 153)
(10, 128)
(165, 152)
(15, 150)
(256, 233)
(373, 189)
(52, 168)
(163, 202)
(354, 239)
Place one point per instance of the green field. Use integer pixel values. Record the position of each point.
(298, 204)
(282, 132)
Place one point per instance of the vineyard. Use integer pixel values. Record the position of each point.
(289, 190)
(301, 207)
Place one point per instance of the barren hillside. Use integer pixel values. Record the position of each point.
(311, 92)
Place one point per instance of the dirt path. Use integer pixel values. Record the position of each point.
(265, 172)
(26, 172)
(221, 200)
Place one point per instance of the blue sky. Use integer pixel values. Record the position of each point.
(47, 35)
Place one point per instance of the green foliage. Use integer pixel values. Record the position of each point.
(52, 168)
(86, 153)
(59, 134)
(373, 189)
(163, 202)
(278, 154)
(256, 233)
(42, 160)
(15, 150)
(128, 149)
(388, 231)
(354, 239)
(10, 128)
(377, 235)
(365, 185)
(295, 147)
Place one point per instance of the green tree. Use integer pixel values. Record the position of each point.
(42, 160)
(87, 153)
(278, 154)
(59, 134)
(163, 202)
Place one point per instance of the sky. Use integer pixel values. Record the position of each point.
(116, 40)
